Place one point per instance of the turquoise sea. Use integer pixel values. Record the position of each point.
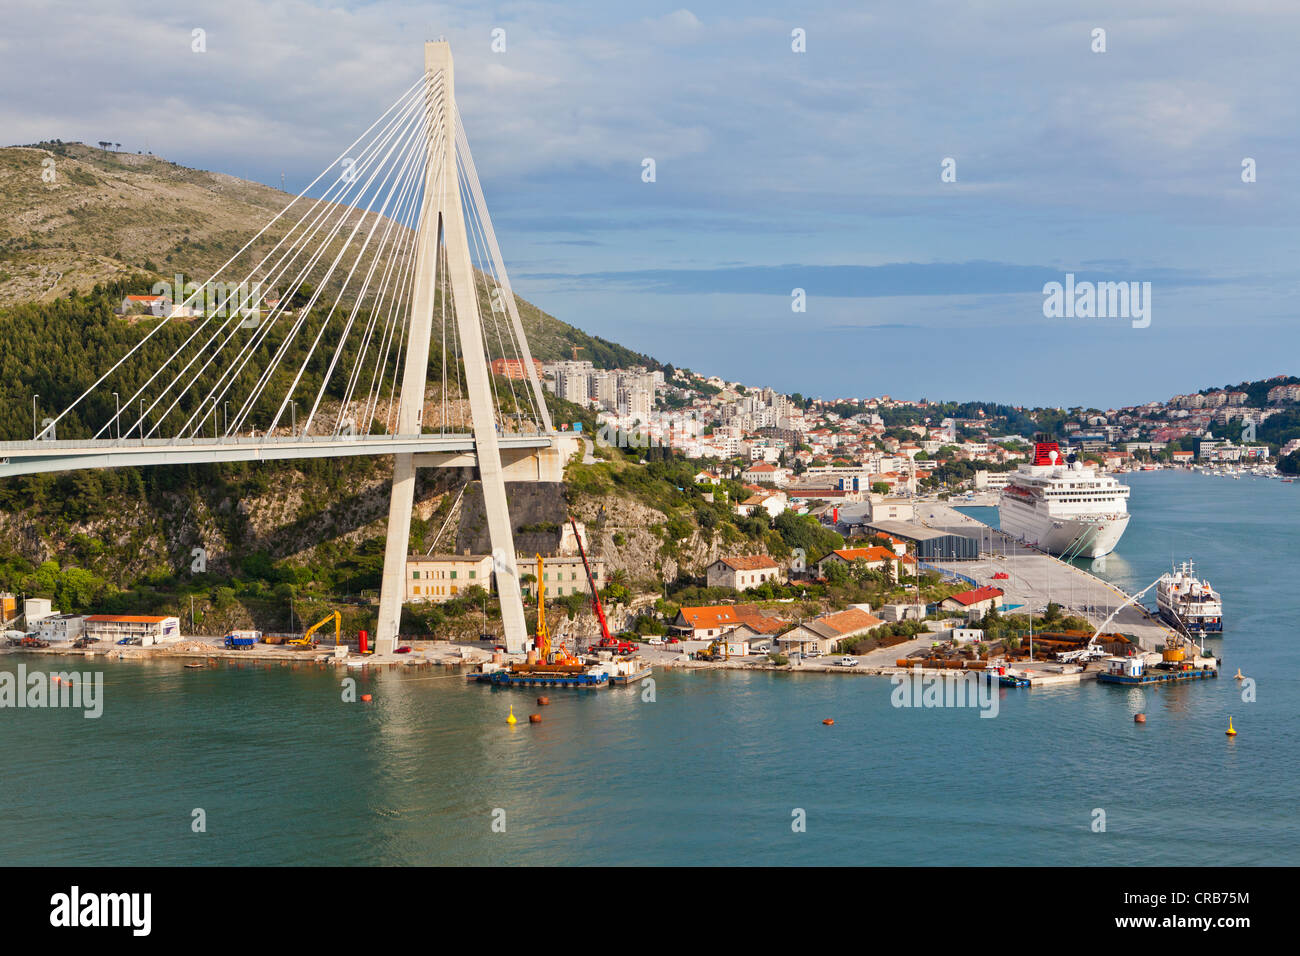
(715, 769)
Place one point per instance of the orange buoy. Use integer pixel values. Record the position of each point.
(543, 701)
(366, 697)
(534, 718)
(828, 721)
(1139, 718)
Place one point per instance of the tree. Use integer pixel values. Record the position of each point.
(836, 573)
(879, 488)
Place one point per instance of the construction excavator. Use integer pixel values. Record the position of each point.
(306, 640)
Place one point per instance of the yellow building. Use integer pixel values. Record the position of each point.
(444, 577)
(563, 575)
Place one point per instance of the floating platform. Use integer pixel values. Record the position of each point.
(1157, 676)
(503, 678)
(623, 679)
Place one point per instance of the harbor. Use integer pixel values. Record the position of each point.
(384, 780)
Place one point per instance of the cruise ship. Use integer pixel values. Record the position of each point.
(1064, 507)
(1189, 603)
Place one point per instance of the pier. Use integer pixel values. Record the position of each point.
(1035, 578)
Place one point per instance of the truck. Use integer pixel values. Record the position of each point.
(240, 640)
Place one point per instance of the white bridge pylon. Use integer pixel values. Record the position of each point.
(442, 216)
(329, 353)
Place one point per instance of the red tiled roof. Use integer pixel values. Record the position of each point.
(967, 598)
(873, 553)
(853, 619)
(758, 620)
(749, 562)
(698, 617)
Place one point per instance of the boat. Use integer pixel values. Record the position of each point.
(1063, 506)
(1189, 603)
(1171, 669)
(1012, 680)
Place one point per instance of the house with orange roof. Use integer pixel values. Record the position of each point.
(770, 502)
(765, 473)
(822, 634)
(976, 601)
(876, 557)
(705, 623)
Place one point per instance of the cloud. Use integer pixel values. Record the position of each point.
(855, 281)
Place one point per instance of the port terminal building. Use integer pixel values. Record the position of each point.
(929, 544)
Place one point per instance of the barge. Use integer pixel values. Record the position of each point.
(1171, 669)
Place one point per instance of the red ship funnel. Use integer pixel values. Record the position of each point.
(1047, 453)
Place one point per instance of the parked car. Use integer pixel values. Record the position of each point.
(131, 641)
(404, 649)
(671, 640)
(1001, 576)
(848, 662)
(654, 640)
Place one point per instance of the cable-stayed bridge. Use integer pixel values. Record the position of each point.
(316, 338)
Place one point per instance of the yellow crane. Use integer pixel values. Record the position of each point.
(543, 643)
(306, 641)
(543, 635)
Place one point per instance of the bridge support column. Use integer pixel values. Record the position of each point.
(442, 215)
(393, 588)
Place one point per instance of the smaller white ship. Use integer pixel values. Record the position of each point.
(1189, 603)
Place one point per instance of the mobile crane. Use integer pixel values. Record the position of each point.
(607, 641)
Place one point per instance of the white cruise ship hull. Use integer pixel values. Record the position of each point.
(1099, 533)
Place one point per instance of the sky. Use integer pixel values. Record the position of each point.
(777, 169)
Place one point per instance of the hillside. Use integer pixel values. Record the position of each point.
(109, 215)
(283, 540)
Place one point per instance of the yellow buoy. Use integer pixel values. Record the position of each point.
(1230, 732)
(511, 719)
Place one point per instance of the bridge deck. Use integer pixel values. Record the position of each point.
(32, 457)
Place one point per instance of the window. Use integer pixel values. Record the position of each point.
(415, 575)
(453, 577)
(473, 574)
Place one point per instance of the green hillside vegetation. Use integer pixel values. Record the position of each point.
(110, 216)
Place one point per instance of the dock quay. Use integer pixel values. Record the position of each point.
(1035, 578)
(210, 649)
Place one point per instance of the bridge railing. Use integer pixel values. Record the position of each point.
(242, 440)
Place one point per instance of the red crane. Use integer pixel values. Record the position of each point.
(607, 641)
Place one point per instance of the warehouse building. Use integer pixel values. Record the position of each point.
(148, 628)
